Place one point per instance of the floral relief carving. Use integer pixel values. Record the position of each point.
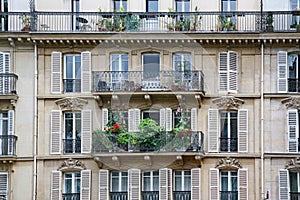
(292, 103)
(71, 165)
(71, 103)
(228, 163)
(228, 102)
(293, 164)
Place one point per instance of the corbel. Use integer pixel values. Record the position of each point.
(116, 161)
(179, 160)
(115, 100)
(148, 160)
(198, 99)
(198, 160)
(148, 100)
(99, 101)
(98, 161)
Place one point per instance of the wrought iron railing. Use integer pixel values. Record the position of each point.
(8, 145)
(294, 195)
(229, 195)
(72, 145)
(71, 196)
(209, 22)
(118, 195)
(72, 85)
(228, 144)
(150, 195)
(104, 81)
(182, 195)
(8, 83)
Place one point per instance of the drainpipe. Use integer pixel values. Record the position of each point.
(35, 126)
(262, 121)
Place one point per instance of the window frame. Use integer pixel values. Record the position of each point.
(120, 182)
(75, 177)
(228, 2)
(185, 179)
(121, 5)
(152, 181)
(185, 8)
(156, 112)
(74, 77)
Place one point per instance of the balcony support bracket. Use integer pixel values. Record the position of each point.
(148, 160)
(198, 99)
(198, 160)
(148, 100)
(179, 160)
(98, 161)
(99, 101)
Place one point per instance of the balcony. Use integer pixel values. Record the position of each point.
(8, 83)
(228, 144)
(112, 81)
(294, 195)
(71, 196)
(8, 145)
(72, 146)
(182, 195)
(150, 195)
(191, 141)
(72, 85)
(229, 195)
(118, 195)
(171, 22)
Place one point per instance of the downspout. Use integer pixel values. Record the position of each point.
(262, 120)
(34, 196)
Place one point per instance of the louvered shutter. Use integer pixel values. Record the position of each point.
(213, 130)
(4, 184)
(86, 72)
(194, 119)
(214, 184)
(283, 184)
(11, 140)
(104, 118)
(282, 72)
(103, 184)
(232, 72)
(134, 182)
(165, 184)
(86, 131)
(169, 119)
(293, 130)
(55, 141)
(4, 68)
(223, 72)
(195, 184)
(131, 120)
(243, 130)
(162, 117)
(243, 184)
(55, 185)
(56, 68)
(137, 114)
(85, 185)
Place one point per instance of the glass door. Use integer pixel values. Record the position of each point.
(151, 69)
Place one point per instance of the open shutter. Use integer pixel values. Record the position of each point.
(55, 185)
(4, 68)
(11, 140)
(103, 184)
(55, 141)
(233, 72)
(165, 184)
(131, 120)
(194, 119)
(56, 78)
(86, 131)
(85, 193)
(223, 72)
(134, 181)
(213, 130)
(243, 130)
(104, 118)
(293, 121)
(282, 72)
(86, 72)
(137, 114)
(214, 184)
(162, 117)
(4, 184)
(169, 119)
(196, 186)
(283, 184)
(243, 184)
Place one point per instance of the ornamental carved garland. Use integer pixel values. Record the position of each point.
(71, 103)
(293, 165)
(228, 102)
(229, 163)
(71, 165)
(292, 103)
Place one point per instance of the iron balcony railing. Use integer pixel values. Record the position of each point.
(8, 83)
(207, 22)
(72, 145)
(8, 145)
(182, 195)
(118, 195)
(71, 196)
(228, 144)
(229, 195)
(150, 195)
(72, 85)
(104, 81)
(190, 141)
(294, 195)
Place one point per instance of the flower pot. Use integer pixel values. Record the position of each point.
(26, 28)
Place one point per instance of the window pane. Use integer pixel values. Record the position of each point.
(155, 183)
(178, 182)
(78, 66)
(224, 124)
(150, 66)
(147, 184)
(69, 67)
(224, 181)
(233, 125)
(124, 184)
(152, 6)
(293, 181)
(152, 114)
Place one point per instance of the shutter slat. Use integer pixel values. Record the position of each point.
(56, 68)
(11, 125)
(103, 184)
(162, 117)
(283, 184)
(134, 182)
(293, 124)
(55, 185)
(243, 130)
(165, 184)
(55, 141)
(137, 114)
(131, 120)
(243, 184)
(233, 72)
(86, 131)
(86, 72)
(104, 118)
(4, 184)
(195, 183)
(85, 193)
(194, 119)
(223, 71)
(169, 119)
(282, 72)
(214, 184)
(213, 130)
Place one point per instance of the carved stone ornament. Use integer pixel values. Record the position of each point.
(293, 165)
(228, 163)
(71, 165)
(71, 103)
(292, 102)
(228, 102)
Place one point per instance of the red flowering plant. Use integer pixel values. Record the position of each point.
(114, 128)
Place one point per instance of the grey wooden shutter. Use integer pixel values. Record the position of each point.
(86, 72)
(169, 119)
(223, 72)
(162, 117)
(4, 184)
(283, 184)
(282, 72)
(194, 119)
(213, 130)
(134, 182)
(214, 184)
(11, 125)
(232, 72)
(86, 131)
(243, 130)
(243, 184)
(85, 185)
(55, 140)
(104, 118)
(55, 185)
(165, 184)
(293, 130)
(5, 68)
(56, 78)
(103, 184)
(196, 184)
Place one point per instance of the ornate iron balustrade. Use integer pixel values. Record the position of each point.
(182, 195)
(72, 145)
(173, 22)
(72, 85)
(228, 195)
(294, 195)
(8, 145)
(104, 81)
(118, 195)
(71, 196)
(150, 195)
(228, 144)
(8, 83)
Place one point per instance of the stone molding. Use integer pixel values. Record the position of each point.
(293, 165)
(292, 103)
(71, 103)
(71, 165)
(228, 163)
(228, 102)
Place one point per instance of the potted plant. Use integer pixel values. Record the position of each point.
(132, 22)
(128, 140)
(196, 20)
(26, 22)
(269, 22)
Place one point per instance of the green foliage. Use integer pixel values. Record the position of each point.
(128, 138)
(269, 19)
(101, 141)
(132, 22)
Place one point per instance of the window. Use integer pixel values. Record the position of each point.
(151, 22)
(4, 19)
(231, 127)
(182, 118)
(150, 181)
(72, 143)
(72, 186)
(7, 138)
(151, 71)
(151, 114)
(117, 4)
(72, 75)
(182, 66)
(228, 72)
(228, 186)
(152, 6)
(119, 71)
(182, 5)
(119, 184)
(182, 180)
(289, 183)
(294, 184)
(228, 5)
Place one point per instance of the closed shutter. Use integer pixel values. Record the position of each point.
(214, 184)
(213, 130)
(243, 130)
(2, 70)
(56, 78)
(243, 184)
(282, 72)
(11, 140)
(162, 117)
(194, 119)
(165, 184)
(293, 130)
(233, 72)
(134, 182)
(104, 118)
(196, 186)
(103, 184)
(283, 184)
(5, 68)
(169, 119)
(4, 185)
(85, 193)
(55, 185)
(86, 131)
(86, 72)
(55, 141)
(223, 72)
